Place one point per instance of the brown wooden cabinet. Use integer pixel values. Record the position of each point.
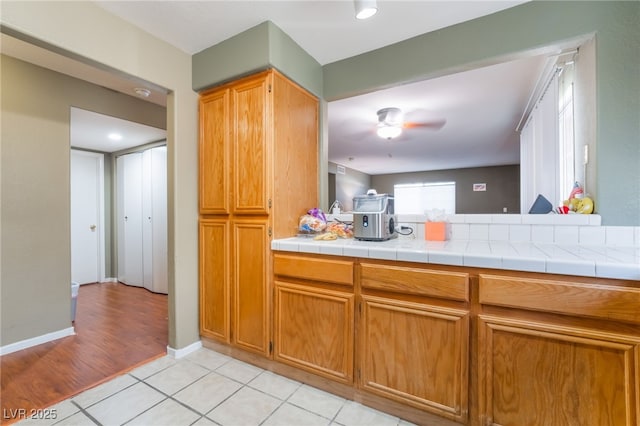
(313, 319)
(415, 350)
(215, 279)
(534, 373)
(465, 345)
(258, 151)
(541, 369)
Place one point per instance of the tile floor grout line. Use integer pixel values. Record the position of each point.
(220, 403)
(307, 410)
(85, 412)
(72, 399)
(170, 397)
(167, 396)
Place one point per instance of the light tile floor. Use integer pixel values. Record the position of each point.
(208, 388)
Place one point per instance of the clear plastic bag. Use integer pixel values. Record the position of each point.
(313, 222)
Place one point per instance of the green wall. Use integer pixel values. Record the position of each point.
(258, 48)
(35, 192)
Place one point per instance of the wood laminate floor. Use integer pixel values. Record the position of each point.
(118, 327)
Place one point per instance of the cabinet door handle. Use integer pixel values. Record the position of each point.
(93, 228)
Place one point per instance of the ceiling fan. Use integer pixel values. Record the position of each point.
(391, 123)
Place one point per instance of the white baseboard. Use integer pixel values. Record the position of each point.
(109, 280)
(38, 340)
(179, 353)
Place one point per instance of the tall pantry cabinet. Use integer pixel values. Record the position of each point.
(258, 173)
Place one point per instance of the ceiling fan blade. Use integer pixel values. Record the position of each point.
(433, 124)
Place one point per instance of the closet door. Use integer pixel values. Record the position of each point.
(129, 187)
(154, 219)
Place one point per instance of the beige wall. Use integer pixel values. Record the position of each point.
(105, 39)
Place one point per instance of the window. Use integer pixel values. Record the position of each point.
(416, 198)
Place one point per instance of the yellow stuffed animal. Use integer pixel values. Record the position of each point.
(577, 202)
(582, 205)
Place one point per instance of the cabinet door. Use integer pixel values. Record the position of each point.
(416, 354)
(314, 330)
(214, 147)
(251, 287)
(214, 279)
(543, 374)
(251, 117)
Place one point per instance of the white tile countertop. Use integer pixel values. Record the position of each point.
(591, 260)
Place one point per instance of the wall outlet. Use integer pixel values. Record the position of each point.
(504, 210)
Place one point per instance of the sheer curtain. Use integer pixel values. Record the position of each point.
(539, 151)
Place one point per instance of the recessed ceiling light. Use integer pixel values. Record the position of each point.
(115, 136)
(142, 92)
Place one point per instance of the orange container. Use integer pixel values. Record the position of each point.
(435, 231)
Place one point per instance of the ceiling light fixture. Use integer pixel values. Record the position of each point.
(142, 92)
(365, 8)
(115, 136)
(390, 123)
(389, 132)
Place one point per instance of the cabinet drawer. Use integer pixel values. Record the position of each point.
(315, 269)
(423, 282)
(574, 298)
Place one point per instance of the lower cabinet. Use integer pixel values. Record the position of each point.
(545, 374)
(581, 368)
(250, 283)
(215, 302)
(313, 315)
(235, 302)
(314, 330)
(434, 345)
(415, 353)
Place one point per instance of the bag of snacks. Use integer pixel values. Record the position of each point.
(313, 222)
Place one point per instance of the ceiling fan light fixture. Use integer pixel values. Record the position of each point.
(365, 8)
(389, 132)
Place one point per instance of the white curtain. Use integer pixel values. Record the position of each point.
(539, 169)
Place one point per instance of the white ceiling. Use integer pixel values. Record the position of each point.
(481, 108)
(90, 130)
(326, 29)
